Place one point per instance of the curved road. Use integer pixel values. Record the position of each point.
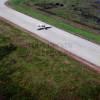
(81, 49)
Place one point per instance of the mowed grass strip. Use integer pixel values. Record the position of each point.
(31, 70)
(19, 5)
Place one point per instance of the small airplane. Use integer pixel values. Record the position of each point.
(43, 27)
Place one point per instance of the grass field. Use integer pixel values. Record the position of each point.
(31, 70)
(21, 5)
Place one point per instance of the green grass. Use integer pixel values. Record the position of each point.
(18, 5)
(31, 70)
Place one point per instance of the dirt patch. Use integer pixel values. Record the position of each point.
(6, 50)
(50, 5)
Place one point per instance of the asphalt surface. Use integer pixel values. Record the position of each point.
(81, 48)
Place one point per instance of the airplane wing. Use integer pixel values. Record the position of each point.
(47, 28)
(40, 29)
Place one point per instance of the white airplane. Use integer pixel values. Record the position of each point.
(43, 27)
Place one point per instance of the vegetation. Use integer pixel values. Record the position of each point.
(31, 70)
(64, 16)
(82, 11)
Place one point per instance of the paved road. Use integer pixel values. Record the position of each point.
(82, 48)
